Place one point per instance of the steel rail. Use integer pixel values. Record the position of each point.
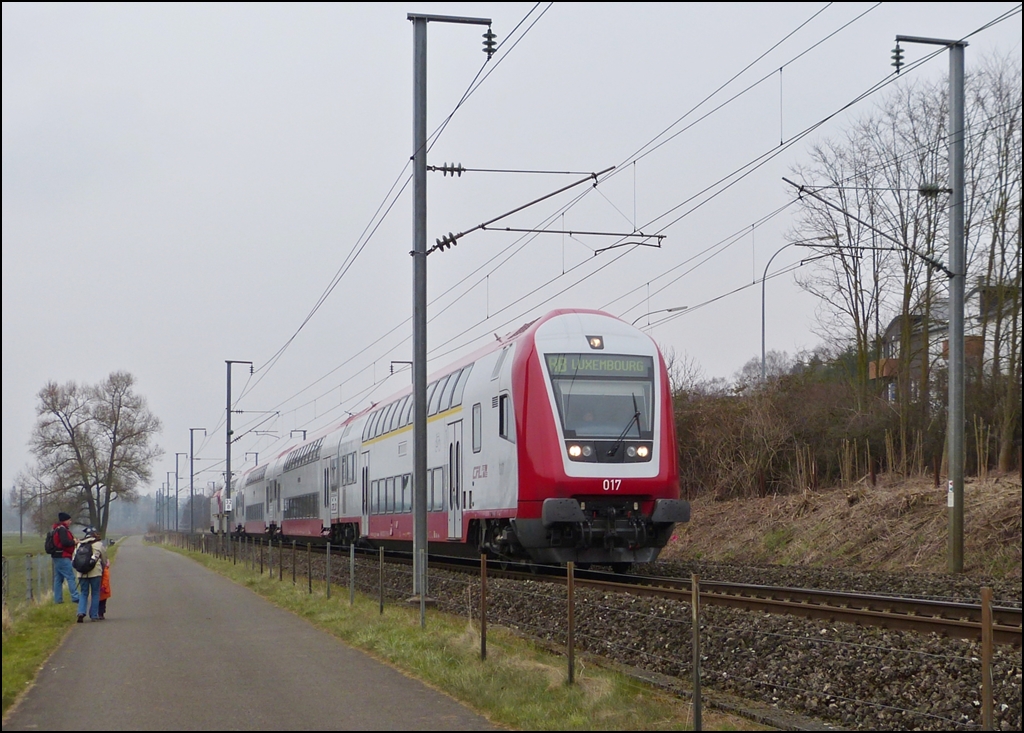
(959, 620)
(947, 618)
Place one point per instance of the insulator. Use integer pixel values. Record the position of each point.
(489, 46)
(897, 57)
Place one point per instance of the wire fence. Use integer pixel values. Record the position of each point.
(861, 678)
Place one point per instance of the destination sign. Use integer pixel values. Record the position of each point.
(605, 365)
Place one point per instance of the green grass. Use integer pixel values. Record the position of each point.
(520, 685)
(29, 643)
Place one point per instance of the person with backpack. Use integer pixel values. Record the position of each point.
(60, 545)
(88, 562)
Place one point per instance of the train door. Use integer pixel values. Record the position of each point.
(364, 478)
(456, 499)
(328, 493)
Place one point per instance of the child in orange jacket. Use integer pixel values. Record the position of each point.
(104, 589)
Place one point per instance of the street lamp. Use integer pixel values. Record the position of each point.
(192, 478)
(663, 310)
(764, 278)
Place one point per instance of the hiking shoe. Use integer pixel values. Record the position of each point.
(81, 618)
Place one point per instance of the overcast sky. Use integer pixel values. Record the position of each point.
(184, 184)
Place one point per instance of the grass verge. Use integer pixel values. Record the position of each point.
(521, 685)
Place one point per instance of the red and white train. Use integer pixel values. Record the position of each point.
(553, 444)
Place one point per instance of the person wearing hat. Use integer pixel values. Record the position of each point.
(64, 548)
(89, 582)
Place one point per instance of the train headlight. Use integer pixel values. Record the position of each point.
(575, 451)
(588, 451)
(642, 451)
(631, 452)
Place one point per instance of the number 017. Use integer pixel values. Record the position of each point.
(612, 484)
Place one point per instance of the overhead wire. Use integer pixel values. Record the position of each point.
(644, 147)
(871, 90)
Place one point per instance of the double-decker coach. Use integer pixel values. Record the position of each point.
(555, 443)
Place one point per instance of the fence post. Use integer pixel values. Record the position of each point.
(571, 586)
(309, 565)
(294, 560)
(381, 591)
(986, 658)
(695, 605)
(28, 577)
(328, 570)
(483, 606)
(352, 574)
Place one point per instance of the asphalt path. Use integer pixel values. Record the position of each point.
(183, 648)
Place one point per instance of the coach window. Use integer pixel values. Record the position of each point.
(505, 425)
(386, 420)
(396, 416)
(436, 502)
(431, 388)
(446, 396)
(378, 426)
(406, 481)
(477, 428)
(368, 431)
(435, 398)
(461, 386)
(407, 411)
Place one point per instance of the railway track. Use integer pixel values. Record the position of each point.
(947, 618)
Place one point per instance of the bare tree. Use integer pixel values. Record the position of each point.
(874, 176)
(93, 445)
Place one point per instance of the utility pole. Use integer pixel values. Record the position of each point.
(957, 279)
(226, 510)
(176, 512)
(419, 286)
(192, 478)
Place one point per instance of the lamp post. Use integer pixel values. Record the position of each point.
(192, 478)
(419, 287)
(663, 310)
(764, 278)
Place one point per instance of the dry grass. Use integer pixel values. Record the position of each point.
(895, 525)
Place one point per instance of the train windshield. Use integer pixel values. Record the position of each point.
(607, 396)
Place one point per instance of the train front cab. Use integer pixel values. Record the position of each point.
(598, 469)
